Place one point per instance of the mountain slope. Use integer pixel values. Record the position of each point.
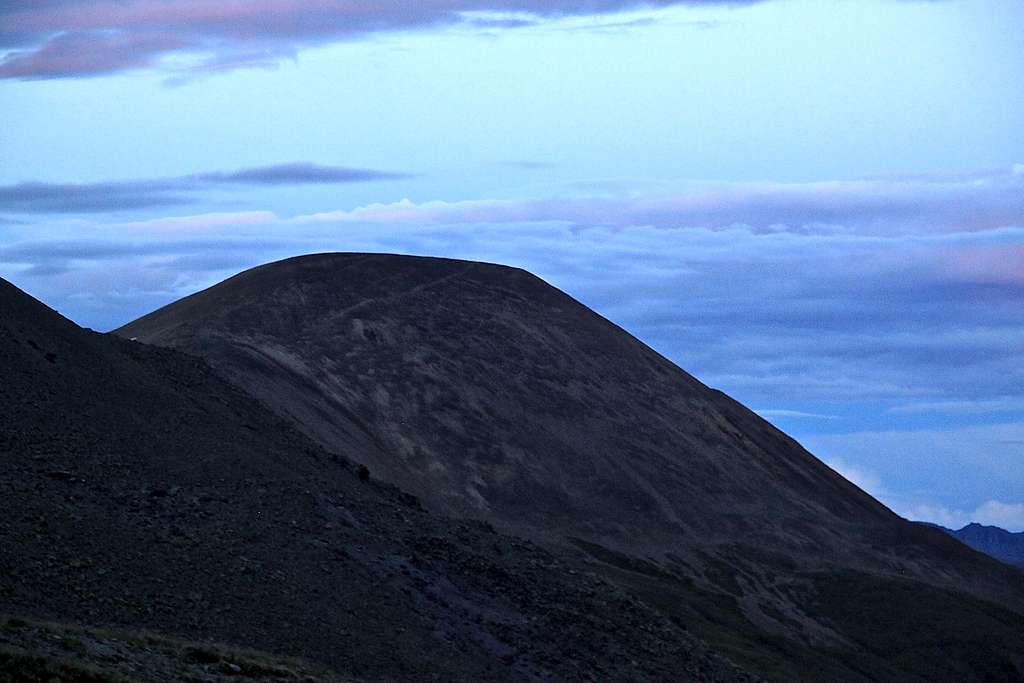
(490, 394)
(141, 491)
(991, 540)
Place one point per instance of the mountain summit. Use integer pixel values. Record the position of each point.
(491, 394)
(999, 543)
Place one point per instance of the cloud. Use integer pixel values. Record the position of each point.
(770, 413)
(796, 316)
(991, 263)
(998, 405)
(843, 321)
(865, 314)
(203, 224)
(925, 205)
(36, 197)
(33, 197)
(1009, 516)
(4, 220)
(865, 480)
(946, 474)
(627, 25)
(770, 318)
(77, 54)
(75, 38)
(298, 173)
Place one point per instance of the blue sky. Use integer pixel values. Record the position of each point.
(814, 205)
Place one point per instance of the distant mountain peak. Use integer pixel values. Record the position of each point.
(1004, 545)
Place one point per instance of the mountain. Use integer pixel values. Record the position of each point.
(991, 540)
(491, 395)
(144, 494)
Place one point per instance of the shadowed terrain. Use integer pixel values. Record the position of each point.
(141, 491)
(33, 650)
(491, 395)
(991, 540)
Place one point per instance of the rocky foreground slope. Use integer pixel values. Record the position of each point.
(491, 395)
(141, 491)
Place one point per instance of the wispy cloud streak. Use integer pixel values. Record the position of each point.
(36, 197)
(772, 413)
(296, 174)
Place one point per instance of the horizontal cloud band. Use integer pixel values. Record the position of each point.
(31, 197)
(70, 38)
(925, 204)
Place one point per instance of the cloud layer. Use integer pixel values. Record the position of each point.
(919, 204)
(1009, 516)
(913, 312)
(816, 318)
(75, 38)
(34, 197)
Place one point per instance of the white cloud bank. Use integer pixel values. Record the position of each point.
(884, 207)
(1009, 516)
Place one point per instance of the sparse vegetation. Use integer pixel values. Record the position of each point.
(34, 651)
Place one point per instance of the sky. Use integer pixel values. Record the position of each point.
(816, 206)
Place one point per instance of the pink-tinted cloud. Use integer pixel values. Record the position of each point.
(88, 53)
(983, 201)
(68, 38)
(990, 263)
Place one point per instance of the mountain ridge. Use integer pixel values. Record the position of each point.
(1006, 546)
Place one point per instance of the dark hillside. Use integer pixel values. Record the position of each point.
(140, 491)
(490, 394)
